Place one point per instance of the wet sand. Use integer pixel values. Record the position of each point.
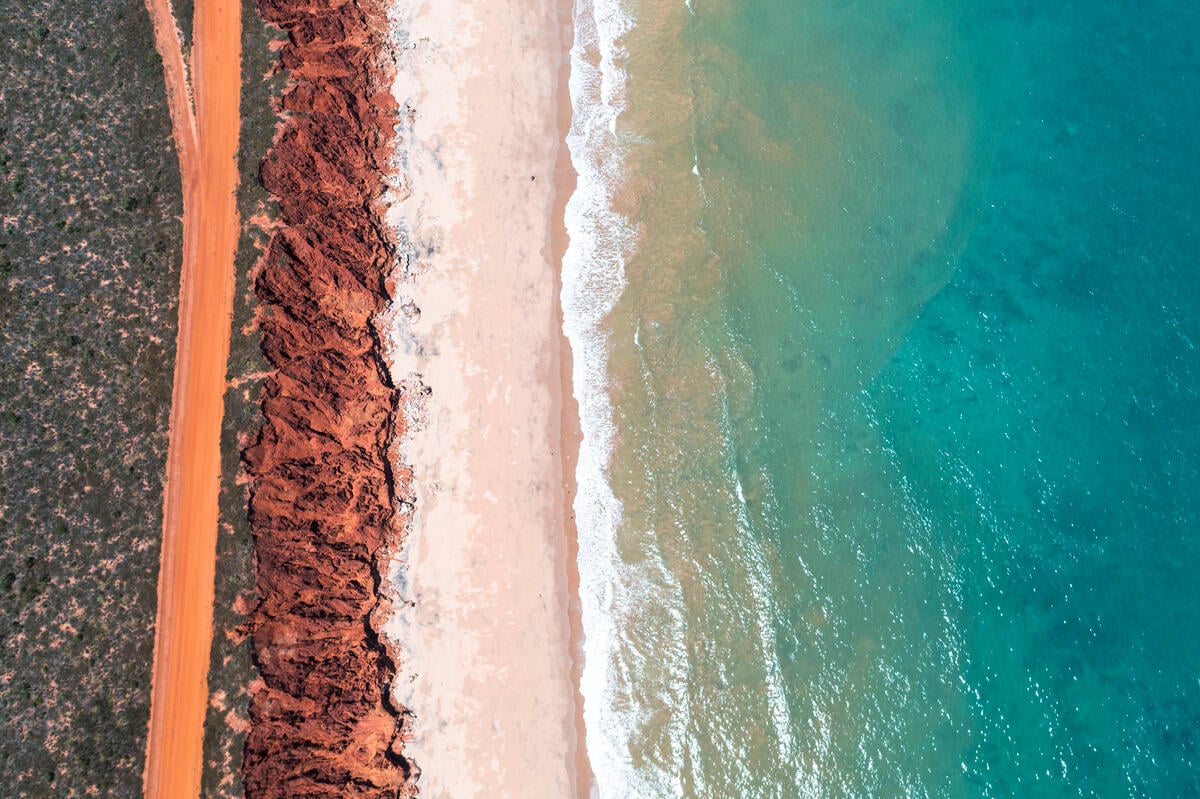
(206, 137)
(486, 650)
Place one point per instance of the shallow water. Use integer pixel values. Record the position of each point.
(886, 339)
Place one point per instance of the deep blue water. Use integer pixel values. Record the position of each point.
(1043, 408)
(904, 382)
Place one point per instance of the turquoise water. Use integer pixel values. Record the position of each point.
(886, 321)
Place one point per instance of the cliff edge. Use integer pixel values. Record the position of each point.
(321, 492)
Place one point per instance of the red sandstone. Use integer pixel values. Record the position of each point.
(322, 496)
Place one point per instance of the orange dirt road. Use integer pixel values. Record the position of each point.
(205, 119)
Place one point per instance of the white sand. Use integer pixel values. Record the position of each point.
(485, 648)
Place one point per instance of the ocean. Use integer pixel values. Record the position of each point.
(885, 321)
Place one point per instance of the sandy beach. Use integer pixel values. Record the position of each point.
(482, 583)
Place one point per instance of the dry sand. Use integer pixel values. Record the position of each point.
(486, 645)
(207, 138)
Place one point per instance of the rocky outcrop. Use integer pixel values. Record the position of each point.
(322, 497)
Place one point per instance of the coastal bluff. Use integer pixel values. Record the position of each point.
(322, 492)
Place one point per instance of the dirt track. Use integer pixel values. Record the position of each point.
(205, 118)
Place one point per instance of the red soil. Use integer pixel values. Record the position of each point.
(206, 136)
(321, 499)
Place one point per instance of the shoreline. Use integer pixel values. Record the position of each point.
(570, 431)
(484, 590)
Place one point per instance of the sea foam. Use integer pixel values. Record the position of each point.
(593, 278)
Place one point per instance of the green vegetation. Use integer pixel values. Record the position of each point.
(231, 668)
(88, 285)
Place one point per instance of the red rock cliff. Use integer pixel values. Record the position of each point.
(321, 499)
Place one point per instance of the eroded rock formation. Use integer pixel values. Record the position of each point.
(321, 501)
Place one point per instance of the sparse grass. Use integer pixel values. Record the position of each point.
(231, 668)
(89, 269)
(88, 285)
